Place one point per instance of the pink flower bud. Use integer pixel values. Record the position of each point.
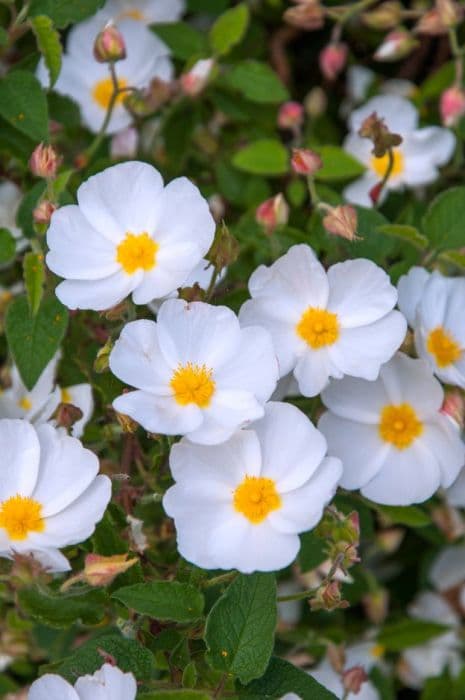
(342, 221)
(333, 59)
(305, 162)
(43, 212)
(290, 115)
(452, 105)
(44, 161)
(454, 407)
(100, 571)
(109, 45)
(353, 679)
(124, 143)
(396, 45)
(194, 81)
(272, 212)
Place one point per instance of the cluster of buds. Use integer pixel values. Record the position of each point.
(142, 103)
(396, 45)
(333, 59)
(291, 116)
(44, 161)
(342, 535)
(341, 221)
(272, 213)
(307, 14)
(452, 105)
(196, 79)
(109, 45)
(305, 162)
(445, 15)
(101, 571)
(328, 597)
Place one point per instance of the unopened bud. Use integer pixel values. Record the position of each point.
(196, 79)
(385, 16)
(291, 115)
(44, 161)
(217, 206)
(101, 362)
(332, 60)
(376, 605)
(307, 15)
(390, 539)
(328, 597)
(450, 13)
(430, 23)
(100, 571)
(225, 248)
(316, 102)
(375, 193)
(272, 212)
(43, 212)
(452, 105)
(305, 162)
(396, 45)
(109, 45)
(342, 221)
(353, 679)
(454, 407)
(67, 415)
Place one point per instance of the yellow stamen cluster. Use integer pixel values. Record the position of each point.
(399, 425)
(193, 383)
(256, 497)
(318, 327)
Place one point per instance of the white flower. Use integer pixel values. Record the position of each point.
(325, 324)
(50, 493)
(201, 275)
(127, 234)
(448, 569)
(10, 198)
(146, 11)
(442, 652)
(240, 505)
(395, 444)
(197, 373)
(89, 83)
(416, 160)
(434, 307)
(108, 683)
(455, 494)
(38, 405)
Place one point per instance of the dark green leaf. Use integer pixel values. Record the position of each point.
(240, 627)
(23, 104)
(409, 234)
(282, 677)
(33, 340)
(405, 515)
(163, 600)
(7, 247)
(454, 257)
(443, 221)
(64, 12)
(34, 278)
(48, 42)
(263, 157)
(61, 611)
(175, 695)
(28, 204)
(409, 633)
(312, 551)
(338, 165)
(229, 29)
(258, 82)
(183, 40)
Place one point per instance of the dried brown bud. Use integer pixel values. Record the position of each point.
(328, 597)
(194, 293)
(43, 212)
(127, 424)
(450, 12)
(225, 248)
(308, 14)
(342, 221)
(375, 129)
(430, 23)
(67, 415)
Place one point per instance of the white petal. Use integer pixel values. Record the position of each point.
(455, 494)
(443, 440)
(97, 294)
(81, 396)
(355, 399)
(448, 569)
(358, 147)
(410, 289)
(159, 414)
(358, 192)
(77, 250)
(407, 380)
(357, 445)
(312, 372)
(360, 292)
(52, 687)
(400, 115)
(19, 465)
(110, 682)
(228, 411)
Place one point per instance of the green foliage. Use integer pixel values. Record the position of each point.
(7, 247)
(443, 221)
(33, 340)
(263, 157)
(163, 600)
(408, 633)
(34, 278)
(257, 82)
(240, 627)
(64, 12)
(282, 677)
(229, 29)
(61, 611)
(48, 42)
(409, 234)
(23, 104)
(338, 165)
(183, 40)
(413, 516)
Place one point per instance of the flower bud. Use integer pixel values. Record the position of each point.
(430, 23)
(342, 221)
(272, 212)
(375, 193)
(454, 407)
(291, 115)
(100, 571)
(328, 597)
(450, 13)
(396, 45)
(316, 102)
(332, 60)
(44, 161)
(385, 16)
(67, 415)
(109, 45)
(353, 679)
(43, 212)
(376, 605)
(305, 162)
(307, 15)
(225, 248)
(452, 105)
(194, 81)
(124, 143)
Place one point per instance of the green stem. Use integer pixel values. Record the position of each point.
(312, 191)
(311, 591)
(218, 580)
(387, 174)
(458, 53)
(111, 105)
(211, 286)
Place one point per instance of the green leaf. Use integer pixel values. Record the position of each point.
(229, 29)
(409, 633)
(163, 600)
(454, 257)
(443, 221)
(33, 340)
(129, 655)
(23, 104)
(240, 627)
(338, 165)
(409, 234)
(405, 515)
(28, 203)
(183, 40)
(257, 82)
(312, 551)
(48, 42)
(175, 695)
(4, 37)
(64, 12)
(282, 677)
(61, 611)
(7, 247)
(263, 157)
(34, 278)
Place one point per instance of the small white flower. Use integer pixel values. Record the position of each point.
(240, 505)
(51, 495)
(434, 306)
(108, 683)
(38, 405)
(88, 82)
(442, 652)
(128, 234)
(10, 198)
(395, 444)
(197, 373)
(416, 160)
(325, 324)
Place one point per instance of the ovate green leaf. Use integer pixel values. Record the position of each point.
(163, 600)
(23, 104)
(229, 29)
(263, 157)
(48, 42)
